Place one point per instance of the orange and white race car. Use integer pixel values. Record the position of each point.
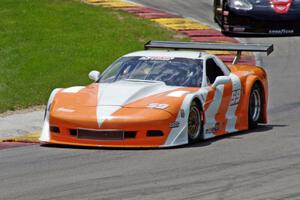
(167, 95)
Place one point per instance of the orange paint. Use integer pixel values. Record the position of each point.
(81, 112)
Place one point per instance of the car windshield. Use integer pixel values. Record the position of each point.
(172, 71)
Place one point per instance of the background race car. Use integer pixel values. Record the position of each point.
(161, 98)
(274, 17)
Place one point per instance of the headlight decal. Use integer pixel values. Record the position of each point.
(158, 106)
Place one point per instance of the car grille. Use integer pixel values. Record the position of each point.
(100, 134)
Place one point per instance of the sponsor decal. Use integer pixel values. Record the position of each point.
(156, 58)
(281, 6)
(282, 31)
(214, 129)
(235, 98)
(175, 125)
(239, 29)
(182, 113)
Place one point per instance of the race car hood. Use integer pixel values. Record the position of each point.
(123, 92)
(77, 96)
(127, 94)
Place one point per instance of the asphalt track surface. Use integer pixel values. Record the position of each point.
(260, 164)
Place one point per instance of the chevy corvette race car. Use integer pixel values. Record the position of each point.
(167, 95)
(273, 17)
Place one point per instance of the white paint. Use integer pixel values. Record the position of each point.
(94, 75)
(230, 115)
(181, 131)
(177, 93)
(112, 96)
(179, 135)
(214, 106)
(45, 135)
(123, 92)
(158, 106)
(105, 112)
(168, 54)
(65, 110)
(212, 111)
(74, 89)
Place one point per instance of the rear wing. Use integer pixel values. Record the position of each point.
(239, 48)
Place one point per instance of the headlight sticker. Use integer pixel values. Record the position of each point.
(177, 93)
(65, 110)
(158, 106)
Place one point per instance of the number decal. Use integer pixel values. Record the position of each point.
(235, 98)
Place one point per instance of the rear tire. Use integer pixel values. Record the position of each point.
(255, 106)
(195, 123)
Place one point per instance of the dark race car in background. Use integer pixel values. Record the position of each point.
(272, 17)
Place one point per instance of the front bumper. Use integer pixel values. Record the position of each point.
(262, 20)
(138, 124)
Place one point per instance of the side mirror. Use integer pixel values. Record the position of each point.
(221, 80)
(94, 75)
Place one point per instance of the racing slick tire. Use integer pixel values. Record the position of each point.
(255, 106)
(195, 123)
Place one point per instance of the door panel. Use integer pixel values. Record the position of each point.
(215, 108)
(212, 104)
(221, 116)
(221, 103)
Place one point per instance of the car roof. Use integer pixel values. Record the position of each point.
(169, 53)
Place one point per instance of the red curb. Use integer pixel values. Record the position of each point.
(139, 10)
(7, 145)
(244, 59)
(148, 13)
(197, 35)
(155, 15)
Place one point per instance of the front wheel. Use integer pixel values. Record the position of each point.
(195, 123)
(255, 106)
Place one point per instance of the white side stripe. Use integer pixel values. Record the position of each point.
(179, 135)
(230, 115)
(45, 135)
(212, 111)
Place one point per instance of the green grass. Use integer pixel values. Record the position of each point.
(45, 44)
